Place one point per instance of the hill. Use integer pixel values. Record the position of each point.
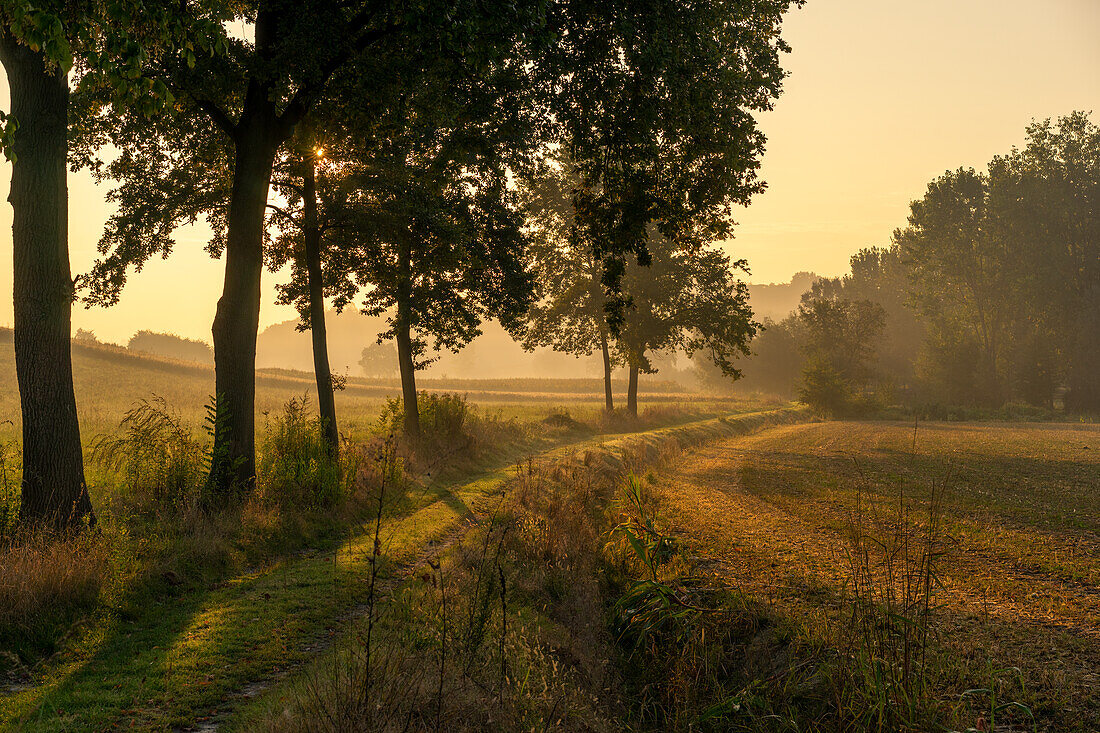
(109, 379)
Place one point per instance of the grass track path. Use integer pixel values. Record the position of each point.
(178, 663)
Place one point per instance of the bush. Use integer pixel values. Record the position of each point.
(161, 463)
(824, 389)
(294, 464)
(443, 418)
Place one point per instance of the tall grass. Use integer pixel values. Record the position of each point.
(893, 562)
(294, 464)
(158, 460)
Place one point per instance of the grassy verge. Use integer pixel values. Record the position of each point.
(505, 629)
(168, 645)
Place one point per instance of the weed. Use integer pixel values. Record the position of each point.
(893, 565)
(160, 463)
(294, 465)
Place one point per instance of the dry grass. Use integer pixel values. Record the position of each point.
(44, 582)
(1017, 606)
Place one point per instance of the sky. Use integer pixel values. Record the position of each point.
(882, 97)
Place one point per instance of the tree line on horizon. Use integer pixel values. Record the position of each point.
(407, 158)
(990, 295)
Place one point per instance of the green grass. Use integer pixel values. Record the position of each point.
(156, 655)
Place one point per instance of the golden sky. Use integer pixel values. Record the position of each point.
(883, 96)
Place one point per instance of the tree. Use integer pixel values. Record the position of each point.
(1043, 205)
(775, 364)
(569, 313)
(379, 360)
(53, 490)
(958, 274)
(654, 102)
(444, 252)
(172, 346)
(880, 275)
(840, 343)
(684, 300)
(301, 226)
(215, 154)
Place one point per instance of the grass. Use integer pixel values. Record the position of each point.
(516, 605)
(195, 606)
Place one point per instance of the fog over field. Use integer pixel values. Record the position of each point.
(550, 365)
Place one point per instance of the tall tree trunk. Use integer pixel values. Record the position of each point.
(53, 491)
(632, 392)
(608, 397)
(404, 344)
(326, 402)
(238, 316)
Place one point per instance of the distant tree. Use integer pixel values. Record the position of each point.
(960, 274)
(688, 301)
(880, 275)
(840, 340)
(379, 360)
(85, 337)
(1044, 208)
(569, 313)
(172, 346)
(776, 361)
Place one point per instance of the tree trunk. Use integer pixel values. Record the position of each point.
(53, 490)
(609, 399)
(326, 402)
(632, 392)
(233, 463)
(404, 344)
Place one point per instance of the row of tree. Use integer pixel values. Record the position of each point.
(991, 294)
(381, 149)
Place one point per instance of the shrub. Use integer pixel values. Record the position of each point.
(443, 418)
(824, 389)
(294, 463)
(161, 463)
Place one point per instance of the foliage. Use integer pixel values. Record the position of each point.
(159, 461)
(172, 346)
(654, 105)
(294, 465)
(840, 344)
(989, 293)
(569, 309)
(379, 360)
(652, 603)
(444, 419)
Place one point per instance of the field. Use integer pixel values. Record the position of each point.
(1015, 603)
(109, 380)
(840, 575)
